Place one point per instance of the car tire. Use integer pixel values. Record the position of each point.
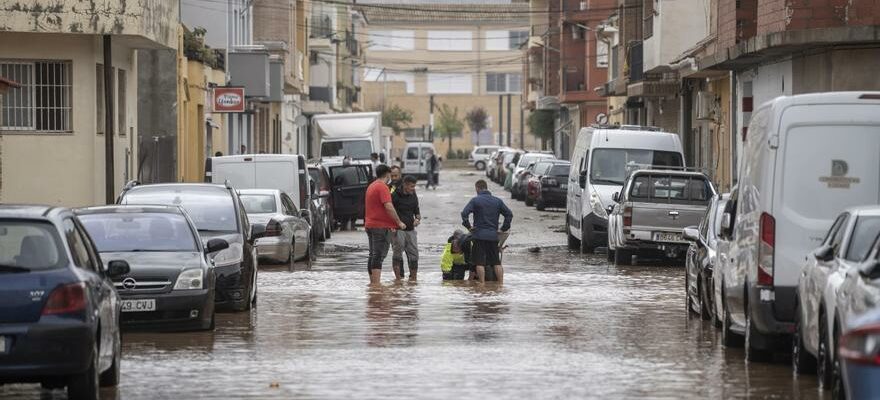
(729, 338)
(586, 245)
(529, 201)
(823, 359)
(704, 308)
(754, 354)
(85, 386)
(573, 242)
(479, 165)
(540, 205)
(110, 377)
(610, 255)
(623, 257)
(802, 362)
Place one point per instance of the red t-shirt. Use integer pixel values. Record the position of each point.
(375, 215)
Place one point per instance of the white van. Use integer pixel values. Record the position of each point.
(805, 159)
(598, 169)
(285, 172)
(415, 159)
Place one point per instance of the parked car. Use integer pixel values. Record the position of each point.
(283, 233)
(846, 245)
(217, 212)
(599, 167)
(505, 166)
(285, 172)
(521, 180)
(860, 353)
(702, 257)
(349, 181)
(323, 201)
(517, 187)
(480, 154)
(415, 159)
(59, 317)
(171, 282)
(490, 165)
(723, 276)
(652, 211)
(549, 184)
(806, 158)
(498, 164)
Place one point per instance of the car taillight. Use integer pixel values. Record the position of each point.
(627, 216)
(273, 228)
(861, 345)
(766, 250)
(66, 299)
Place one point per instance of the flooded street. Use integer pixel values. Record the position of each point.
(564, 325)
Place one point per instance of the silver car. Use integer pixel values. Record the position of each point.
(283, 232)
(844, 248)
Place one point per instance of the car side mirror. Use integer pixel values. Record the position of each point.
(615, 197)
(870, 270)
(691, 233)
(215, 245)
(582, 181)
(824, 253)
(258, 231)
(117, 268)
(324, 193)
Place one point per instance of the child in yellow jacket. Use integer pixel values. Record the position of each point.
(452, 262)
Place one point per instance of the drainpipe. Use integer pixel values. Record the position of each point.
(109, 176)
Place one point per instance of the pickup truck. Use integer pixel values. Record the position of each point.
(653, 209)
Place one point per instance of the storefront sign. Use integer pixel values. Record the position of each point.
(229, 99)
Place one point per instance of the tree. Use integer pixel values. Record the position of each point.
(477, 119)
(541, 125)
(448, 124)
(397, 118)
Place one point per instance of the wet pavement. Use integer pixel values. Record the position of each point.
(564, 325)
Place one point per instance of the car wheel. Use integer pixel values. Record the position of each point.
(823, 358)
(753, 353)
(802, 362)
(529, 201)
(729, 338)
(586, 244)
(539, 205)
(480, 165)
(110, 377)
(623, 257)
(85, 386)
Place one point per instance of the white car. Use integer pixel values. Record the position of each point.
(846, 245)
(599, 167)
(805, 159)
(284, 233)
(480, 156)
(516, 191)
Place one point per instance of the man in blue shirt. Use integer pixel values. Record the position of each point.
(486, 209)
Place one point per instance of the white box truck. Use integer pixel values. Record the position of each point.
(355, 135)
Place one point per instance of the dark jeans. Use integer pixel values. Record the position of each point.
(379, 240)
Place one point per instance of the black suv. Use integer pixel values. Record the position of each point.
(217, 213)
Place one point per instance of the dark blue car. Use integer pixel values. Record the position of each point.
(59, 314)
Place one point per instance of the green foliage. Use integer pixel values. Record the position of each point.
(449, 125)
(397, 118)
(194, 48)
(541, 123)
(477, 119)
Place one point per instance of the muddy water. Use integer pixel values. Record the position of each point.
(563, 326)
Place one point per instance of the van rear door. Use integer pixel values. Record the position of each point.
(279, 174)
(412, 161)
(827, 161)
(241, 173)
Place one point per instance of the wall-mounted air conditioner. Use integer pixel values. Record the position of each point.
(705, 106)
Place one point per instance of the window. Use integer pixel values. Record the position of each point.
(450, 40)
(503, 82)
(505, 40)
(258, 203)
(210, 208)
(449, 83)
(30, 244)
(837, 239)
(43, 102)
(77, 246)
(392, 40)
(671, 188)
(601, 54)
(289, 206)
(120, 103)
(609, 166)
(349, 175)
(144, 232)
(862, 238)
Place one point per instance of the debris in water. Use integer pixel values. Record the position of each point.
(274, 385)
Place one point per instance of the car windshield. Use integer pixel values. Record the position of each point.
(127, 232)
(716, 221)
(211, 208)
(356, 149)
(559, 170)
(29, 246)
(258, 203)
(608, 166)
(862, 237)
(525, 160)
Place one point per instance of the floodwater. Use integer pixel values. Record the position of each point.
(564, 325)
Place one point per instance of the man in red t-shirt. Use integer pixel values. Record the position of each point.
(380, 221)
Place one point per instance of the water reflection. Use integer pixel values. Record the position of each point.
(392, 315)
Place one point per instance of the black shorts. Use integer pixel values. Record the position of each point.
(485, 253)
(457, 273)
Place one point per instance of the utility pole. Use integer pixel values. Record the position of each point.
(509, 111)
(500, 120)
(431, 119)
(109, 176)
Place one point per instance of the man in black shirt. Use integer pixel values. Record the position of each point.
(406, 203)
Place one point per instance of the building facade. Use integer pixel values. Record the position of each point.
(55, 125)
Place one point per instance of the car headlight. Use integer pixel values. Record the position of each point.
(596, 205)
(230, 256)
(189, 279)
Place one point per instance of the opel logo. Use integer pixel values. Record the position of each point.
(129, 283)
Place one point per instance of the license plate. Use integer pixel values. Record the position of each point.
(141, 305)
(667, 237)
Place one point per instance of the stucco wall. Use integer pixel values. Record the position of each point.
(678, 27)
(67, 168)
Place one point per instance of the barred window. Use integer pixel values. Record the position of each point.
(503, 82)
(43, 102)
